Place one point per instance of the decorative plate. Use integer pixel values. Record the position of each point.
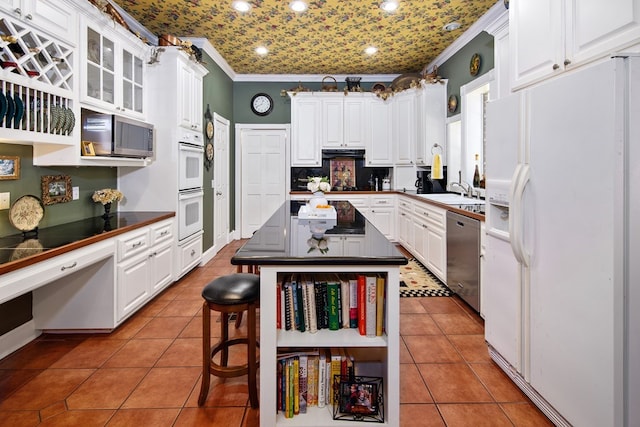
(452, 105)
(10, 109)
(474, 65)
(53, 124)
(209, 129)
(19, 111)
(72, 121)
(62, 119)
(404, 81)
(3, 106)
(26, 213)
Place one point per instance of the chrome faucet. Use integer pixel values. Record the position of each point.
(466, 188)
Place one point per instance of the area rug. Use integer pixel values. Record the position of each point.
(417, 281)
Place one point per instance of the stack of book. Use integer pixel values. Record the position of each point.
(310, 377)
(333, 302)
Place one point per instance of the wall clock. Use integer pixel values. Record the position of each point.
(261, 104)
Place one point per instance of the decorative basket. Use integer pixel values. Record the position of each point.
(329, 84)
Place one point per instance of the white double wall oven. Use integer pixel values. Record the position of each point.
(190, 192)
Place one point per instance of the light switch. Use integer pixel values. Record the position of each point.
(5, 200)
(76, 193)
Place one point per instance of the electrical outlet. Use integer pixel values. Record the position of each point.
(5, 200)
(76, 193)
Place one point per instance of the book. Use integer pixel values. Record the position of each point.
(312, 381)
(320, 305)
(380, 298)
(362, 310)
(282, 306)
(370, 316)
(297, 305)
(304, 299)
(288, 296)
(278, 305)
(322, 379)
(303, 384)
(353, 303)
(296, 385)
(335, 369)
(280, 388)
(344, 302)
(311, 296)
(333, 293)
(288, 410)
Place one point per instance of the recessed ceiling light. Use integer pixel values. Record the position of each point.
(241, 6)
(371, 50)
(298, 6)
(451, 26)
(261, 50)
(389, 5)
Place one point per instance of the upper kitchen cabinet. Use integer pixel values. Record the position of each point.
(190, 75)
(55, 17)
(38, 77)
(113, 65)
(379, 150)
(549, 36)
(404, 126)
(432, 116)
(305, 130)
(343, 122)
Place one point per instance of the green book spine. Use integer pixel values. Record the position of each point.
(333, 306)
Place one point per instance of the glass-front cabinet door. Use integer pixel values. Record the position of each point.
(131, 82)
(100, 67)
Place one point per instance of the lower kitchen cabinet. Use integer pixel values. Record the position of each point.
(430, 234)
(189, 254)
(145, 266)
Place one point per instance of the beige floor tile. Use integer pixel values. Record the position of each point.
(432, 349)
(106, 388)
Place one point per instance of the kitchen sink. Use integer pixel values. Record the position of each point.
(451, 199)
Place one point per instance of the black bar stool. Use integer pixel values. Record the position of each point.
(233, 293)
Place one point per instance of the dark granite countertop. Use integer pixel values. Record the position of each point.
(286, 239)
(17, 251)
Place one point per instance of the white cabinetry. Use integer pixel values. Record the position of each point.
(381, 213)
(51, 16)
(113, 68)
(355, 120)
(305, 130)
(404, 127)
(405, 224)
(432, 116)
(332, 121)
(145, 259)
(378, 134)
(343, 120)
(429, 226)
(384, 350)
(189, 97)
(549, 36)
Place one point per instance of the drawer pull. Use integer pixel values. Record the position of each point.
(164, 233)
(193, 252)
(135, 245)
(66, 267)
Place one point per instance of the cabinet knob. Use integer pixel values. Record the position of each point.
(65, 267)
(29, 17)
(567, 62)
(193, 252)
(555, 66)
(18, 11)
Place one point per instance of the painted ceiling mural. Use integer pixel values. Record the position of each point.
(328, 38)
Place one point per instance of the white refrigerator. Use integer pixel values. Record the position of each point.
(561, 280)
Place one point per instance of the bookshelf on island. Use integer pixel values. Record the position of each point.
(369, 357)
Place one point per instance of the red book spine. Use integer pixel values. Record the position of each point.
(278, 307)
(362, 310)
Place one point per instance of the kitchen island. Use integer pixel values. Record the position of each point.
(289, 248)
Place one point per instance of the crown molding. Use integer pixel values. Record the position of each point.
(205, 45)
(311, 77)
(494, 14)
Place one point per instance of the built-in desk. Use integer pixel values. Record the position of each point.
(88, 275)
(281, 248)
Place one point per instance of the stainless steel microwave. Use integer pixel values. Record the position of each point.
(117, 136)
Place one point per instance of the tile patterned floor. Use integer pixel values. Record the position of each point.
(147, 372)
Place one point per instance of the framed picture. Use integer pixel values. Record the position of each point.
(9, 167)
(56, 189)
(87, 148)
(343, 173)
(358, 399)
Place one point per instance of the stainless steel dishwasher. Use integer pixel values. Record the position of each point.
(463, 257)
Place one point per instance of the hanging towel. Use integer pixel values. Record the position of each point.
(436, 167)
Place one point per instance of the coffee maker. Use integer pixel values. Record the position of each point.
(423, 183)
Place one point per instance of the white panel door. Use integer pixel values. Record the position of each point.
(220, 182)
(263, 176)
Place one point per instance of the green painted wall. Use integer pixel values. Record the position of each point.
(456, 68)
(88, 179)
(218, 95)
